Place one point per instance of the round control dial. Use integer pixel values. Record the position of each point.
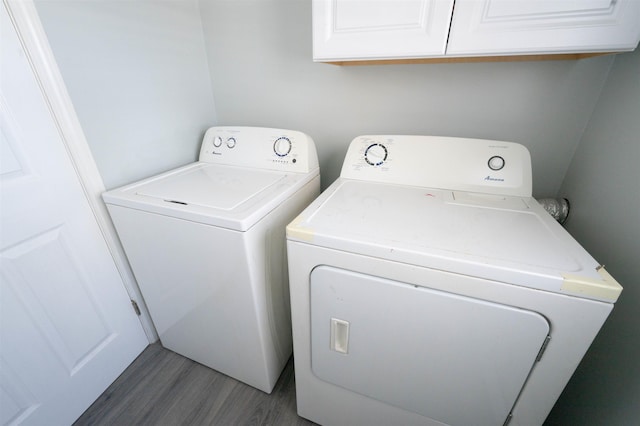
(217, 141)
(282, 146)
(375, 154)
(496, 162)
(231, 143)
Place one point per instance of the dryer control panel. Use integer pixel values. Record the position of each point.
(462, 164)
(259, 147)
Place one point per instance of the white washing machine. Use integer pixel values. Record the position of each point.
(206, 243)
(429, 288)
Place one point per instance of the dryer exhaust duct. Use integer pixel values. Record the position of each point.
(556, 207)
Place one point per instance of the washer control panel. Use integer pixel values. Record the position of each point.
(474, 165)
(260, 147)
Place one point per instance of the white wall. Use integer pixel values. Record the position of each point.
(138, 77)
(137, 74)
(260, 57)
(603, 185)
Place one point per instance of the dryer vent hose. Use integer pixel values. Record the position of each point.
(556, 207)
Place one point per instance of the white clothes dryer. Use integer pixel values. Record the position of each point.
(206, 243)
(428, 287)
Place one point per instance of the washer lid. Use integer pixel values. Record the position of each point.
(498, 237)
(227, 196)
(214, 187)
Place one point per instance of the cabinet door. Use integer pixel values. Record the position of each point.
(486, 27)
(379, 29)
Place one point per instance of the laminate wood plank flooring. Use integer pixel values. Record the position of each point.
(163, 388)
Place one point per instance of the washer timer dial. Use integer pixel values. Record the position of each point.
(282, 146)
(375, 154)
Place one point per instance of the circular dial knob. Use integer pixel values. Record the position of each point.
(496, 162)
(231, 142)
(282, 146)
(375, 154)
(217, 141)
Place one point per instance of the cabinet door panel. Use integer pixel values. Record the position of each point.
(485, 27)
(379, 29)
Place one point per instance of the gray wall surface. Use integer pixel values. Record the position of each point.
(603, 185)
(137, 74)
(143, 76)
(260, 57)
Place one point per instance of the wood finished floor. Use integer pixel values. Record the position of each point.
(163, 388)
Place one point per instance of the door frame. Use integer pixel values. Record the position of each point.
(26, 21)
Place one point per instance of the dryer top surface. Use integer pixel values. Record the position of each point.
(504, 238)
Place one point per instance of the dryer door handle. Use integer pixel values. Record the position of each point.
(339, 335)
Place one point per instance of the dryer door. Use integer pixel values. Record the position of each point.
(454, 359)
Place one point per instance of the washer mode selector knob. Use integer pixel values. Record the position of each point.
(282, 146)
(375, 154)
(217, 141)
(496, 163)
(231, 142)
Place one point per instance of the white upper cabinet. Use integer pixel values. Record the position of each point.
(379, 29)
(356, 30)
(488, 27)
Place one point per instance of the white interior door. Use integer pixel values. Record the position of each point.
(67, 327)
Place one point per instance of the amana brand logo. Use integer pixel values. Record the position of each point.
(494, 179)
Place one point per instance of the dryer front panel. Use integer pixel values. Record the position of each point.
(451, 358)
